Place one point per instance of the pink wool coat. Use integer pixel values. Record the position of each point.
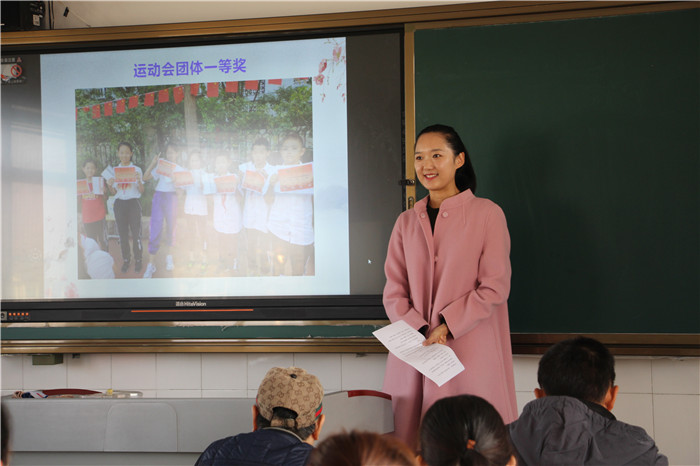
(462, 273)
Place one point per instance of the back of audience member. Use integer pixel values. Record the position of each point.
(361, 449)
(570, 421)
(287, 420)
(464, 430)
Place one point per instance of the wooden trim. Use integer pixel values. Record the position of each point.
(674, 345)
(562, 11)
(627, 344)
(421, 17)
(269, 345)
(409, 113)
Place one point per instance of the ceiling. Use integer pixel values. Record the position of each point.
(82, 14)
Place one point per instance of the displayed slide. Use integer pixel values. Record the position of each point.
(209, 171)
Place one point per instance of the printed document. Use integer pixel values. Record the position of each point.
(437, 362)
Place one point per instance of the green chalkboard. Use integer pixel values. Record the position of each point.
(587, 133)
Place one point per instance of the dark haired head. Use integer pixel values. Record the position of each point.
(580, 367)
(284, 413)
(361, 449)
(295, 136)
(465, 178)
(262, 142)
(464, 430)
(131, 148)
(90, 160)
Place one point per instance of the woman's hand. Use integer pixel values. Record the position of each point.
(438, 335)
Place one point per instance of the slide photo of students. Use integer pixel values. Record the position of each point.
(202, 187)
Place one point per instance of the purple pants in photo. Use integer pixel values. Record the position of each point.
(164, 207)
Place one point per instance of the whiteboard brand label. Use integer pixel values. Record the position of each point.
(190, 304)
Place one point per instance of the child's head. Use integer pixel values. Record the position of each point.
(170, 152)
(580, 367)
(259, 152)
(195, 160)
(361, 449)
(125, 151)
(292, 149)
(89, 168)
(464, 430)
(221, 164)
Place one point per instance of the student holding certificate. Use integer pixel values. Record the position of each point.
(196, 207)
(92, 204)
(292, 211)
(127, 186)
(163, 208)
(256, 177)
(448, 276)
(228, 218)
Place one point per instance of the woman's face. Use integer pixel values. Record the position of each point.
(124, 154)
(291, 151)
(435, 163)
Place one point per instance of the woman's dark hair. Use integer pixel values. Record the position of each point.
(284, 413)
(90, 160)
(579, 367)
(262, 142)
(131, 148)
(361, 449)
(465, 178)
(293, 135)
(451, 423)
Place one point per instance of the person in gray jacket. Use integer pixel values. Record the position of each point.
(570, 422)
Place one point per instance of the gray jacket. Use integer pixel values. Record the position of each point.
(560, 430)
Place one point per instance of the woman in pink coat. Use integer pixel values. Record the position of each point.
(448, 276)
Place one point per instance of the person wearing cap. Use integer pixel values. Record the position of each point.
(287, 420)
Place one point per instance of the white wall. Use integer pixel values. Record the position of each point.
(662, 395)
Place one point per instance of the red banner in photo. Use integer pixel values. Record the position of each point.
(183, 178)
(83, 187)
(253, 181)
(125, 175)
(165, 168)
(296, 178)
(226, 183)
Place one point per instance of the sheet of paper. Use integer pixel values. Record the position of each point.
(165, 167)
(98, 185)
(437, 362)
(108, 173)
(183, 178)
(83, 187)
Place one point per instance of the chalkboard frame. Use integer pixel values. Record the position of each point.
(412, 19)
(655, 344)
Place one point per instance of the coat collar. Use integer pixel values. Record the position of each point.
(454, 201)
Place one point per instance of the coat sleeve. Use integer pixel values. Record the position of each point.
(397, 292)
(493, 280)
